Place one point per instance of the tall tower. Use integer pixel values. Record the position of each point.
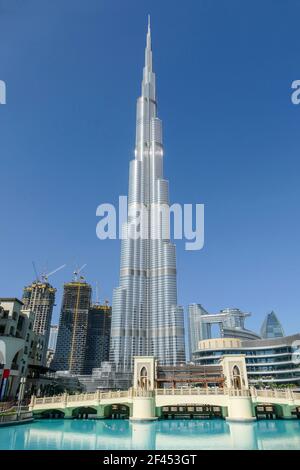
(72, 332)
(39, 297)
(98, 337)
(145, 317)
(271, 327)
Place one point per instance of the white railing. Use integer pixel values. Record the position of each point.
(142, 393)
(286, 394)
(232, 392)
(96, 397)
(13, 417)
(190, 391)
(66, 399)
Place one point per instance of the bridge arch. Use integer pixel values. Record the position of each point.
(268, 411)
(192, 411)
(236, 377)
(117, 411)
(84, 412)
(54, 413)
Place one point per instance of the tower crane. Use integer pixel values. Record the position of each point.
(77, 271)
(44, 277)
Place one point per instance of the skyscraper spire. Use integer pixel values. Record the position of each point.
(148, 44)
(148, 85)
(146, 319)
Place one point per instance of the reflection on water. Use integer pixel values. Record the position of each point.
(173, 434)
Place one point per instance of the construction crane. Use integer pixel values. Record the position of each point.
(45, 276)
(97, 294)
(77, 271)
(76, 316)
(37, 278)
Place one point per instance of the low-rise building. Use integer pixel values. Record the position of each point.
(269, 362)
(20, 347)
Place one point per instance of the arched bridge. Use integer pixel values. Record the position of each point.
(142, 404)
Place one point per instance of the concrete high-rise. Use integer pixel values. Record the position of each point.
(98, 337)
(73, 325)
(146, 319)
(39, 297)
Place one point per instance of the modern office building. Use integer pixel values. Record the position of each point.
(274, 361)
(98, 337)
(21, 349)
(230, 321)
(271, 327)
(53, 337)
(146, 319)
(197, 329)
(73, 326)
(39, 297)
(107, 377)
(52, 344)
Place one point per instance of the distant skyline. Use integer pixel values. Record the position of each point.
(224, 71)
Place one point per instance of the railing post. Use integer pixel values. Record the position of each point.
(65, 398)
(32, 401)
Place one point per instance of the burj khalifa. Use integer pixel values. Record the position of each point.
(146, 320)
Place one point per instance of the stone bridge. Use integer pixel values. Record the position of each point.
(235, 401)
(146, 405)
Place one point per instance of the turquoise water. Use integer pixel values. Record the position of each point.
(174, 434)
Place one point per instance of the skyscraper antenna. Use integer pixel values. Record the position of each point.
(97, 293)
(149, 23)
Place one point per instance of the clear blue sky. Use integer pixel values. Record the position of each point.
(224, 70)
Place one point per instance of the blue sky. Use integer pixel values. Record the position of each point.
(231, 134)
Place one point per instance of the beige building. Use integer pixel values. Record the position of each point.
(20, 347)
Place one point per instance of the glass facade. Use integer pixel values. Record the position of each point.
(72, 332)
(146, 319)
(231, 323)
(272, 361)
(271, 327)
(98, 337)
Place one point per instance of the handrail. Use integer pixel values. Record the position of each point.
(96, 397)
(9, 418)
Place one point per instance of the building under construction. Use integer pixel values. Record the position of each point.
(39, 297)
(73, 327)
(98, 337)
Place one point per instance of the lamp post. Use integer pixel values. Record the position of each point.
(21, 395)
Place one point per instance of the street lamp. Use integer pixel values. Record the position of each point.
(21, 395)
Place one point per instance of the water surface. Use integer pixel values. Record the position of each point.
(172, 434)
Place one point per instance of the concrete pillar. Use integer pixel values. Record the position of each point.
(143, 435)
(243, 436)
(287, 412)
(68, 413)
(143, 409)
(32, 402)
(100, 412)
(240, 409)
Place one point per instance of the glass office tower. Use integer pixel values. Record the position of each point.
(271, 327)
(146, 319)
